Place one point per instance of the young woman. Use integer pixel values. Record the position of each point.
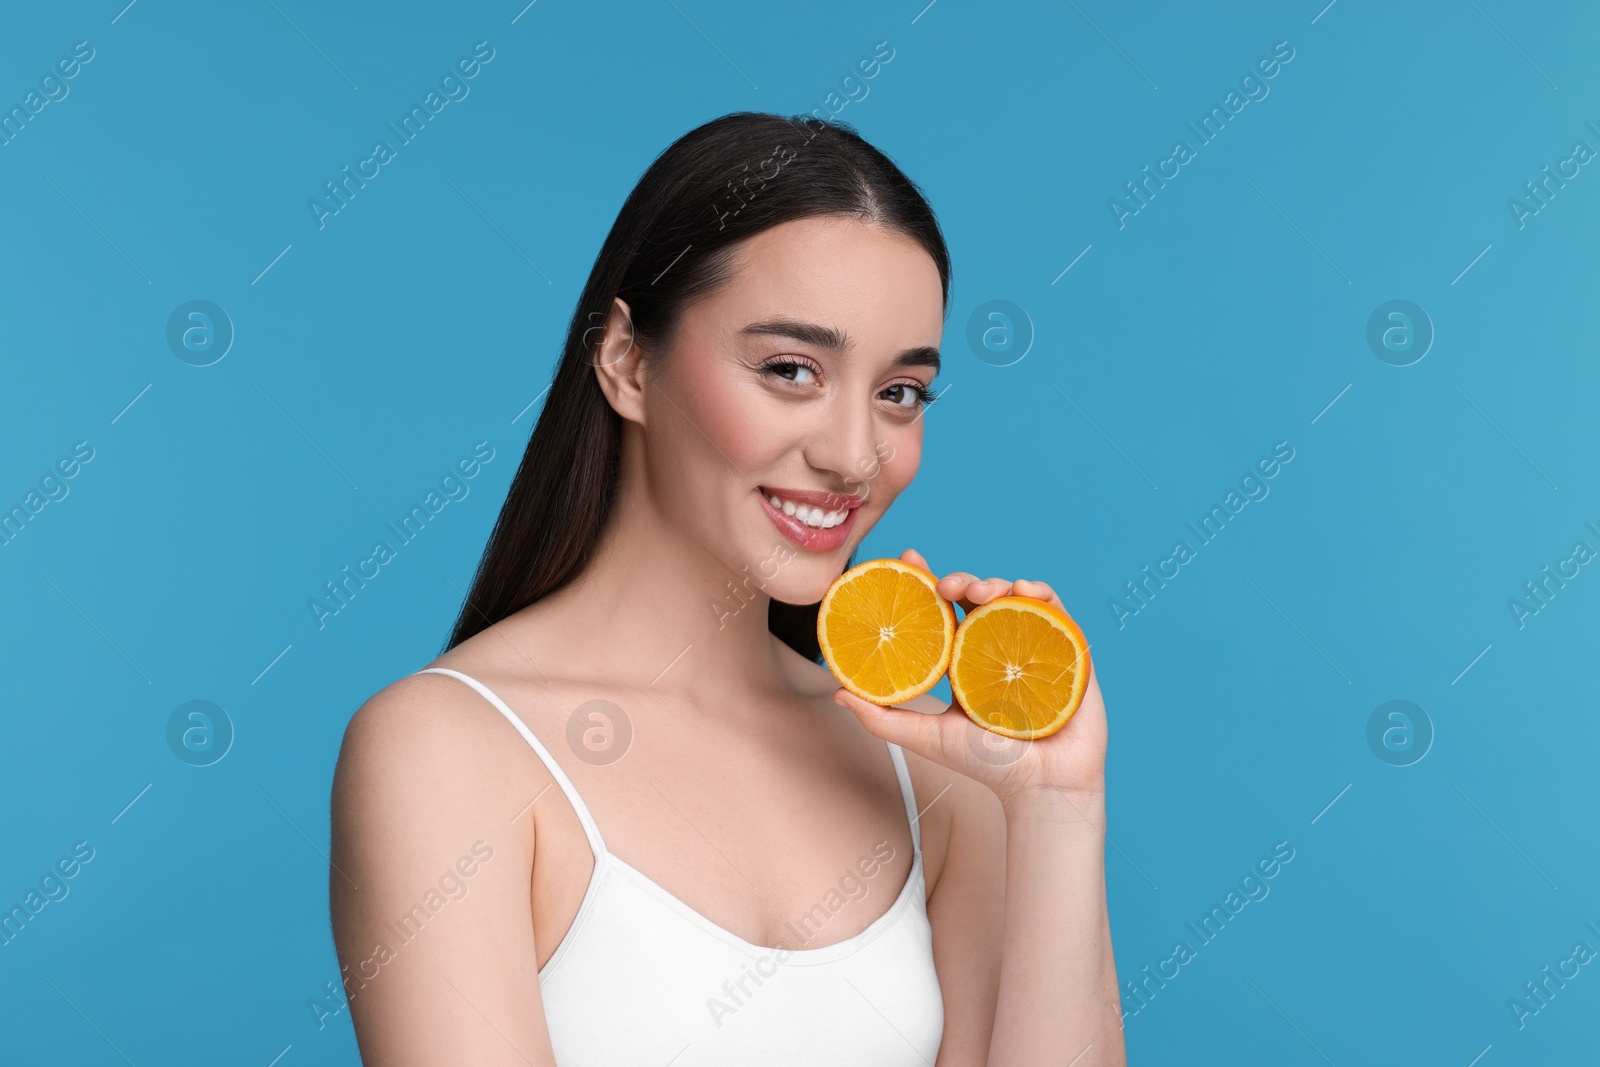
(628, 817)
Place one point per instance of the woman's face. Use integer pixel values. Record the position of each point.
(801, 381)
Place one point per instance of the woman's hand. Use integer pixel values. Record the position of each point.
(1069, 763)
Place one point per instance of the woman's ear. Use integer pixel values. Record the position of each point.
(619, 363)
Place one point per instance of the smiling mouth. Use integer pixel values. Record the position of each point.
(815, 520)
(820, 511)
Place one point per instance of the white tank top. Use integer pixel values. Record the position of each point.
(643, 978)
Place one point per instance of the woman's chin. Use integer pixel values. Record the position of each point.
(799, 589)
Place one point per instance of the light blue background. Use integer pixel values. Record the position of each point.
(1223, 318)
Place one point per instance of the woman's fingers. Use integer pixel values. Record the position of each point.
(968, 590)
(948, 738)
(987, 590)
(1038, 591)
(954, 586)
(913, 730)
(913, 557)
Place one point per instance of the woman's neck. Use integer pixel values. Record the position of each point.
(654, 608)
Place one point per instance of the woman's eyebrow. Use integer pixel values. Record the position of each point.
(835, 340)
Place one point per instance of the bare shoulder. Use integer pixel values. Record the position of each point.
(423, 720)
(425, 743)
(424, 837)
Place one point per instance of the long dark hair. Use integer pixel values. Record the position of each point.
(715, 186)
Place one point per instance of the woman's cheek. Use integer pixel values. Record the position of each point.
(726, 422)
(899, 457)
(883, 475)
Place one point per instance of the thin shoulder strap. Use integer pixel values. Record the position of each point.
(907, 794)
(596, 842)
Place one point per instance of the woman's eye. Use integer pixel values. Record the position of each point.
(909, 394)
(791, 371)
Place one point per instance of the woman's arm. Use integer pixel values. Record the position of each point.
(429, 884)
(1058, 998)
(1034, 854)
(1021, 931)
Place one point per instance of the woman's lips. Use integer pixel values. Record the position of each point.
(809, 537)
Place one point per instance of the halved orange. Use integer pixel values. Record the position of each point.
(1019, 667)
(885, 631)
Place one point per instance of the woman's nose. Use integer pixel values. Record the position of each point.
(845, 444)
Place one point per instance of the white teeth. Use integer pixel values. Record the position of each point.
(812, 516)
(823, 520)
